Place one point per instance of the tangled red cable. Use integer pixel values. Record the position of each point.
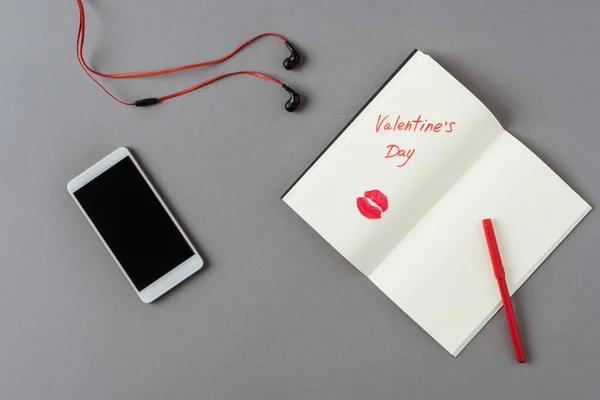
(289, 63)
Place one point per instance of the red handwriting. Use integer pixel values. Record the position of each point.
(396, 151)
(415, 125)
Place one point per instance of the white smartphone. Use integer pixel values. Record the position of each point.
(135, 225)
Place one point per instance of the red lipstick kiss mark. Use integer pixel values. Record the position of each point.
(372, 204)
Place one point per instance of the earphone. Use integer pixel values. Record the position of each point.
(289, 63)
(293, 59)
(294, 100)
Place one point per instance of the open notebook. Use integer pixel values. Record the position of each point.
(402, 190)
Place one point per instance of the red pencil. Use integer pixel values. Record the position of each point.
(490, 237)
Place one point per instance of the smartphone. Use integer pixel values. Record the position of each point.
(134, 225)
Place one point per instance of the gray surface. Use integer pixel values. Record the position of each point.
(278, 314)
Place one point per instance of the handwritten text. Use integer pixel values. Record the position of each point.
(419, 124)
(396, 151)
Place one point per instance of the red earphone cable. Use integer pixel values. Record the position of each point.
(216, 78)
(89, 71)
(80, 35)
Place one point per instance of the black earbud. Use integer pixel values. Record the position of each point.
(293, 59)
(294, 100)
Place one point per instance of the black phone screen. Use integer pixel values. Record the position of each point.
(133, 223)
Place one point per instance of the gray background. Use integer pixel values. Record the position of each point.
(278, 314)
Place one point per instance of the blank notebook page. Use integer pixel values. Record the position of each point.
(440, 273)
